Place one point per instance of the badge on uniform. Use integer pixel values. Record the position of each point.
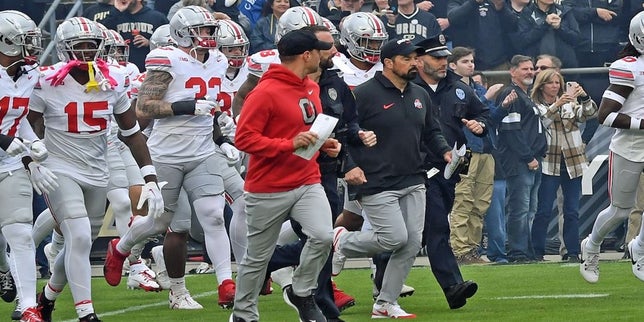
(332, 94)
(460, 94)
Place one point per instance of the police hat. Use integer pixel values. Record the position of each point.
(435, 46)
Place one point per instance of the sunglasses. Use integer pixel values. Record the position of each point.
(543, 67)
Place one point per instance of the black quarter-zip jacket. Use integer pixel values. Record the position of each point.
(405, 128)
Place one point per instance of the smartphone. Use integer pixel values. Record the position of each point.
(570, 90)
(393, 6)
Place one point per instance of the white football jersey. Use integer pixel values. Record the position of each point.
(358, 76)
(259, 62)
(76, 124)
(185, 138)
(14, 106)
(229, 88)
(629, 71)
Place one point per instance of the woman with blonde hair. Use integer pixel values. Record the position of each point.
(565, 160)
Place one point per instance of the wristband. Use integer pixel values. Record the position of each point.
(183, 107)
(635, 123)
(148, 170)
(131, 131)
(614, 96)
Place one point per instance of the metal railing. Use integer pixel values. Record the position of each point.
(50, 18)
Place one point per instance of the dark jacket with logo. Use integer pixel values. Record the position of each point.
(521, 135)
(454, 100)
(405, 128)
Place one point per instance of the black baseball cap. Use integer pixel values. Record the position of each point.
(297, 42)
(402, 47)
(435, 46)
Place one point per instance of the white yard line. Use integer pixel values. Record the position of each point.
(142, 307)
(561, 296)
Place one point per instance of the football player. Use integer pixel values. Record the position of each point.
(75, 99)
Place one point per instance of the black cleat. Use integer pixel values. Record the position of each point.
(7, 287)
(305, 306)
(458, 294)
(45, 306)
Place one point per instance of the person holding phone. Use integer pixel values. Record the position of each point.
(565, 161)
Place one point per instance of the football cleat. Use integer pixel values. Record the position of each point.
(338, 260)
(589, 266)
(142, 280)
(113, 267)
(45, 306)
(226, 292)
(31, 315)
(183, 301)
(637, 258)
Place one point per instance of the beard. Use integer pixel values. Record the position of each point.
(326, 63)
(409, 75)
(527, 81)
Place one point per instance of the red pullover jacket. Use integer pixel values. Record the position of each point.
(281, 106)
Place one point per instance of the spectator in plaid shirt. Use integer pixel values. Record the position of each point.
(565, 159)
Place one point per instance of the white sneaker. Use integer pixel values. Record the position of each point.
(390, 310)
(204, 268)
(163, 280)
(337, 263)
(589, 266)
(183, 302)
(637, 258)
(50, 254)
(142, 281)
(407, 291)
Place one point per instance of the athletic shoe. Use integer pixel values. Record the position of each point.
(337, 263)
(226, 292)
(7, 287)
(203, 268)
(458, 294)
(142, 280)
(17, 311)
(183, 302)
(113, 267)
(342, 300)
(45, 306)
(92, 317)
(637, 258)
(305, 306)
(163, 280)
(390, 310)
(31, 315)
(589, 266)
(50, 254)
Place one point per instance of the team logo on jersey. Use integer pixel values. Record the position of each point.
(332, 94)
(418, 104)
(460, 94)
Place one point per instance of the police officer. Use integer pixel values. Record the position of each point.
(458, 109)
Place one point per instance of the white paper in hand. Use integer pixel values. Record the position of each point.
(323, 126)
(457, 159)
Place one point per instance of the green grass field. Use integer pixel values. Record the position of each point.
(535, 292)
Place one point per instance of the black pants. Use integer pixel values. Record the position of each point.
(440, 199)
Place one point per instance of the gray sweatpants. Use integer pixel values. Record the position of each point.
(397, 218)
(266, 212)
